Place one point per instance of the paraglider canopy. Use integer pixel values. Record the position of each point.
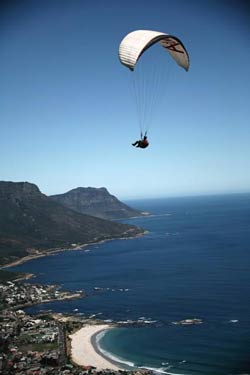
(150, 71)
(137, 42)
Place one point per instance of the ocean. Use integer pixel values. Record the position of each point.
(194, 262)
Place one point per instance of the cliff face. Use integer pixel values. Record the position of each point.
(96, 202)
(30, 219)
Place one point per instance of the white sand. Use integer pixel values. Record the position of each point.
(82, 351)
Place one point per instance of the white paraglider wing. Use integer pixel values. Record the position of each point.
(137, 42)
(150, 76)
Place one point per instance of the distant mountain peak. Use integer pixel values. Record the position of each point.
(96, 202)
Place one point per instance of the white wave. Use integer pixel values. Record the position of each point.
(109, 355)
(161, 370)
(99, 336)
(157, 215)
(122, 361)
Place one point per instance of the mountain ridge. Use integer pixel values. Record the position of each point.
(31, 221)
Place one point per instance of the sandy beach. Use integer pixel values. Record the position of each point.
(83, 352)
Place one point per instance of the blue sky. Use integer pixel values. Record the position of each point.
(68, 118)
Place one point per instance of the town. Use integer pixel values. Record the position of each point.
(40, 344)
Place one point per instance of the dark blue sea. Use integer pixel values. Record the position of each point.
(194, 262)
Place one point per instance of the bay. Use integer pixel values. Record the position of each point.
(194, 262)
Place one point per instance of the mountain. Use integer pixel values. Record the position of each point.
(30, 220)
(96, 202)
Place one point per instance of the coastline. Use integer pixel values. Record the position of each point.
(84, 351)
(44, 253)
(39, 254)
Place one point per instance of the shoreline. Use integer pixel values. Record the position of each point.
(84, 350)
(64, 298)
(44, 253)
(41, 254)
